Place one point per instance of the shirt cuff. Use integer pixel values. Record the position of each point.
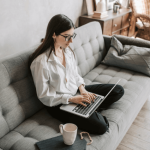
(80, 82)
(83, 85)
(65, 98)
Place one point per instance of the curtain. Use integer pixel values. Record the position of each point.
(141, 6)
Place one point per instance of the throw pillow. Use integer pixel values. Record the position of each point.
(128, 57)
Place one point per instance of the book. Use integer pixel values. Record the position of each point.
(100, 13)
(99, 16)
(57, 143)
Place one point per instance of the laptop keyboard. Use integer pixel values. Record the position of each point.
(84, 110)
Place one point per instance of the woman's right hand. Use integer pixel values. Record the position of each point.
(79, 99)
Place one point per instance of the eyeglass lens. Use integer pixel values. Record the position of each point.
(69, 37)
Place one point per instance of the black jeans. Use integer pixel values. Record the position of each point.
(96, 123)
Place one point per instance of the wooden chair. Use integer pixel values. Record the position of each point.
(141, 13)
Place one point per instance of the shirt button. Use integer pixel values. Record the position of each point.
(66, 79)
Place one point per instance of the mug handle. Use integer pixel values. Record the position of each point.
(60, 127)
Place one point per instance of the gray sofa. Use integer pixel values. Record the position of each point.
(24, 119)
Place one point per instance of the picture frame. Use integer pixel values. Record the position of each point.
(90, 7)
(95, 3)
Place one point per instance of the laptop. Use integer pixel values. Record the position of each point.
(87, 111)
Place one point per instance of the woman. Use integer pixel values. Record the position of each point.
(55, 75)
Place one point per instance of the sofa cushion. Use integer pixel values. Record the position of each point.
(139, 25)
(128, 57)
(120, 113)
(39, 127)
(89, 47)
(18, 100)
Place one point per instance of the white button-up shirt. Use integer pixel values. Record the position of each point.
(50, 76)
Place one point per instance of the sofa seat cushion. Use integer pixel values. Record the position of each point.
(134, 84)
(120, 113)
(39, 127)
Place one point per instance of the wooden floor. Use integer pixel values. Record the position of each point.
(138, 136)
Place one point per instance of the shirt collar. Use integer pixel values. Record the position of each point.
(54, 58)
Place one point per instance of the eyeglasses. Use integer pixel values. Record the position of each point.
(67, 38)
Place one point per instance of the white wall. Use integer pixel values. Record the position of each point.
(23, 22)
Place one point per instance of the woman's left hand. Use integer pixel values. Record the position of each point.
(90, 95)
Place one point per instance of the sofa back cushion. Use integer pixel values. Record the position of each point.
(88, 46)
(18, 99)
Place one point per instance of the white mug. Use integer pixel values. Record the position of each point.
(69, 132)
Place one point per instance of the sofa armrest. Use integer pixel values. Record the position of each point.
(107, 40)
(132, 41)
(126, 41)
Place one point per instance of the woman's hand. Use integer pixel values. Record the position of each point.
(91, 96)
(84, 92)
(80, 99)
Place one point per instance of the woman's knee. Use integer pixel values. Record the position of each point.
(119, 90)
(101, 130)
(101, 124)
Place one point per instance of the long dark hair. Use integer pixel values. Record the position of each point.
(58, 24)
